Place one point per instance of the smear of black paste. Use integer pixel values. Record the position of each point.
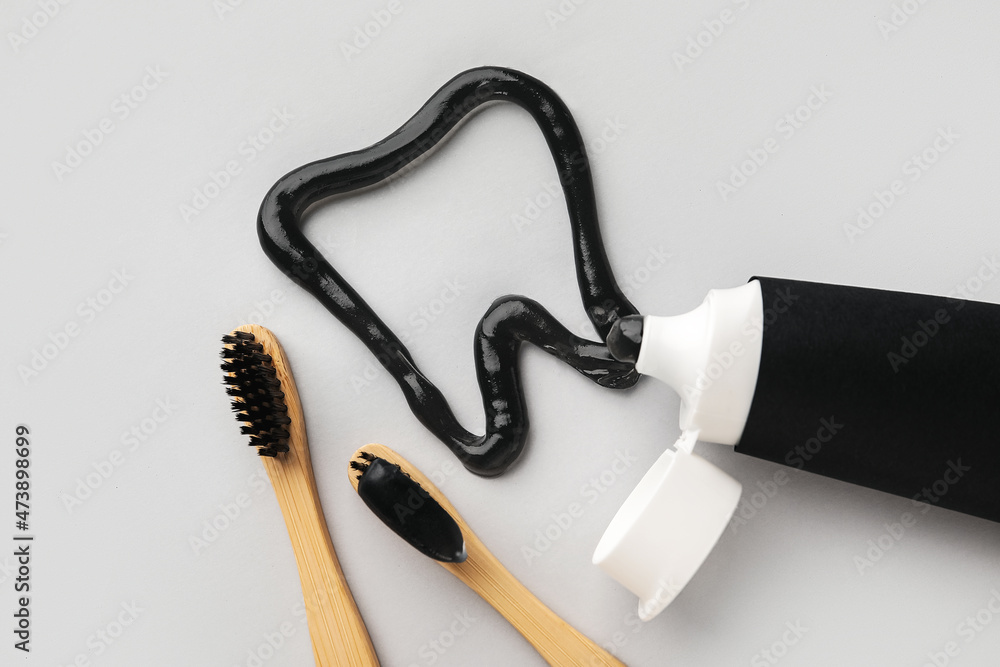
(511, 320)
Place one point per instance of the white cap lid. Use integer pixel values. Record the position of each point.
(667, 526)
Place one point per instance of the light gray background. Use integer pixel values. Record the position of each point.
(671, 133)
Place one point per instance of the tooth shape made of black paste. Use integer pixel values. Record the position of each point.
(510, 320)
(411, 512)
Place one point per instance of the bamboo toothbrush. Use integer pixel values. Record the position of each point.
(409, 503)
(266, 401)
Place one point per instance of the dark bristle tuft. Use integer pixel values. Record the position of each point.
(257, 398)
(362, 464)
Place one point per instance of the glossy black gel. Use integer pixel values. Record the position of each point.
(410, 511)
(625, 339)
(511, 320)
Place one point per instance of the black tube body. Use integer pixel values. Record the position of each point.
(892, 391)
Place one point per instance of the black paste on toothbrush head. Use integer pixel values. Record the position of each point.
(409, 511)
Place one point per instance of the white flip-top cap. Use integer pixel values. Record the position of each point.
(668, 526)
(710, 356)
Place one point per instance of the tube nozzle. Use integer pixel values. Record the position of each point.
(625, 338)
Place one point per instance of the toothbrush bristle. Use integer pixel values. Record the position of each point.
(257, 398)
(362, 466)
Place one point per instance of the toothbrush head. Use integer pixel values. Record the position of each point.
(407, 508)
(255, 389)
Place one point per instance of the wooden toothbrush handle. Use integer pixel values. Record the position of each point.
(556, 640)
(338, 633)
(337, 630)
